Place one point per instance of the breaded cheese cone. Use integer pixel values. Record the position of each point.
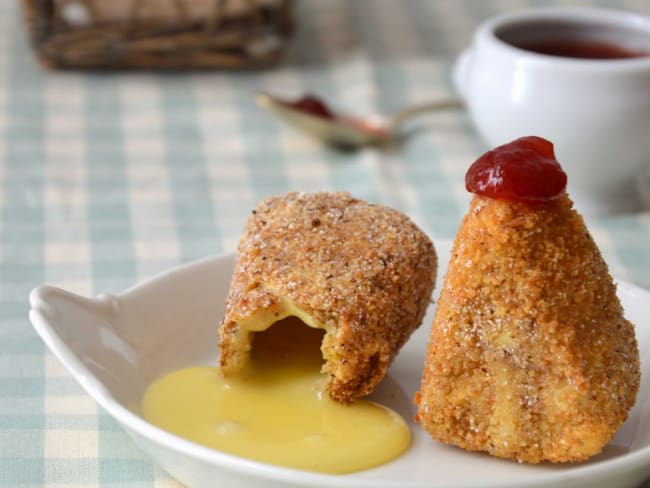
(530, 357)
(364, 273)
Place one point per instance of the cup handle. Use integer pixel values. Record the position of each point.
(460, 75)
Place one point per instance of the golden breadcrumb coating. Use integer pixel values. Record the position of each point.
(529, 357)
(362, 272)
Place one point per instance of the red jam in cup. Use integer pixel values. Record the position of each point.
(524, 170)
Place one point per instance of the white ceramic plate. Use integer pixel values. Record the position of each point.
(116, 345)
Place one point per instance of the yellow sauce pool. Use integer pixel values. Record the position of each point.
(277, 412)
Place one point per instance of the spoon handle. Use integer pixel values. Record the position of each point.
(445, 104)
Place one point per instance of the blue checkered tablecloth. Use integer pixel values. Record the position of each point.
(106, 179)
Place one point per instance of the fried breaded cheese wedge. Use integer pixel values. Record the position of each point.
(530, 357)
(362, 272)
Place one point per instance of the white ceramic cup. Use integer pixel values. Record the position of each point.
(596, 112)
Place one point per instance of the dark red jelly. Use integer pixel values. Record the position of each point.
(524, 170)
(583, 49)
(313, 106)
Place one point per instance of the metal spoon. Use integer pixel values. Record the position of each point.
(347, 131)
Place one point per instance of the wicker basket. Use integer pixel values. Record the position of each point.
(158, 34)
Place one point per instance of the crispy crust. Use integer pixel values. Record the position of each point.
(363, 272)
(529, 357)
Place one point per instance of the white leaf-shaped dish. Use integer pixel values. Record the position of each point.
(114, 346)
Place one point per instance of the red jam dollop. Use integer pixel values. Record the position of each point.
(313, 106)
(524, 170)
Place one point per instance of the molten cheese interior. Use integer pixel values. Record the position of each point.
(277, 411)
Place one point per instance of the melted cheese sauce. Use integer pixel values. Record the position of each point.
(277, 411)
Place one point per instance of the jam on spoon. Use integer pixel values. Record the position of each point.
(524, 170)
(313, 116)
(313, 106)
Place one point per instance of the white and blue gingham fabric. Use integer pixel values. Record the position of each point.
(106, 179)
